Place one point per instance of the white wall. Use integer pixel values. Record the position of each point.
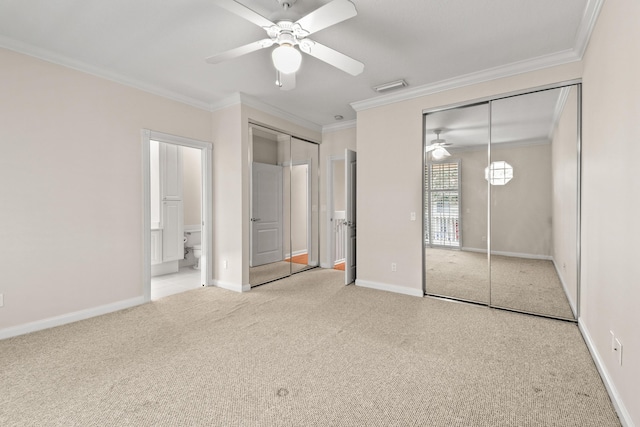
(521, 210)
(610, 292)
(72, 196)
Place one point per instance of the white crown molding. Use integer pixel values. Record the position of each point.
(508, 70)
(333, 127)
(252, 102)
(587, 25)
(226, 102)
(64, 61)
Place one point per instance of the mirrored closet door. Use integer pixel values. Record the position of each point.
(528, 179)
(455, 208)
(284, 234)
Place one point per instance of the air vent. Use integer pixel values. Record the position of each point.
(390, 86)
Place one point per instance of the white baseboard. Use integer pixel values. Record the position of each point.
(510, 254)
(75, 316)
(231, 286)
(326, 265)
(390, 288)
(623, 414)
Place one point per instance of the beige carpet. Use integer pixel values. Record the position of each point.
(304, 351)
(521, 284)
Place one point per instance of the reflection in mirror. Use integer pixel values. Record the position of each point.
(303, 186)
(533, 178)
(270, 203)
(455, 203)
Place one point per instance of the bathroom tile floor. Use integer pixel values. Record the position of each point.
(184, 280)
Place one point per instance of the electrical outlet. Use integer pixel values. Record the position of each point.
(619, 350)
(1, 300)
(394, 267)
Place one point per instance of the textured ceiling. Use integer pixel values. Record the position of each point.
(161, 46)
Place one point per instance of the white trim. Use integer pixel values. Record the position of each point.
(231, 286)
(64, 319)
(510, 254)
(333, 127)
(45, 55)
(502, 71)
(591, 12)
(206, 149)
(618, 404)
(390, 288)
(252, 102)
(559, 108)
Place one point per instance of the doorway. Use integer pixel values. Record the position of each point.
(177, 203)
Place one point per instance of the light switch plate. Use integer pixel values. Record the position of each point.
(413, 216)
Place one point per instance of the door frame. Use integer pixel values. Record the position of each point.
(206, 157)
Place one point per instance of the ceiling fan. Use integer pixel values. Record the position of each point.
(438, 152)
(288, 34)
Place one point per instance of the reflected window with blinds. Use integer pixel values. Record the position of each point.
(442, 197)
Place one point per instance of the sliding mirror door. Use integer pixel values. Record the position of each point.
(455, 203)
(533, 176)
(303, 187)
(270, 204)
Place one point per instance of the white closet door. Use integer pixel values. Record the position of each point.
(171, 161)
(172, 231)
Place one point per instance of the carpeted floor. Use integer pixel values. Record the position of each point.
(521, 284)
(303, 351)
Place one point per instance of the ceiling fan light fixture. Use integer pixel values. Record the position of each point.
(439, 153)
(286, 58)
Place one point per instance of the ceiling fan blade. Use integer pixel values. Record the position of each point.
(244, 12)
(239, 51)
(335, 58)
(287, 81)
(327, 15)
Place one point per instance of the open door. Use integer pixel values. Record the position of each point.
(350, 216)
(266, 214)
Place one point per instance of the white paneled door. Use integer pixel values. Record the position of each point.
(266, 214)
(350, 217)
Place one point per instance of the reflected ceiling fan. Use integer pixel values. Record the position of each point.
(438, 152)
(288, 34)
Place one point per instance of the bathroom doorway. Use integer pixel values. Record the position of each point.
(177, 204)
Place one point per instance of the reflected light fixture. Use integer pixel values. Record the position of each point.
(439, 153)
(286, 58)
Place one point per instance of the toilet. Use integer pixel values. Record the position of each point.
(197, 253)
(193, 244)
